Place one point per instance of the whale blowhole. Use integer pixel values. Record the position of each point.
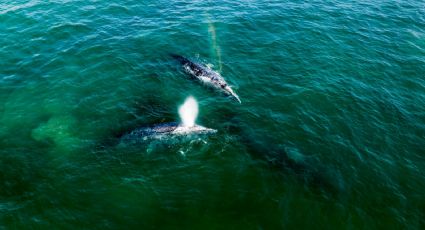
(189, 112)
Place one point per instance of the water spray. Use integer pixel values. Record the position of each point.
(189, 112)
(214, 46)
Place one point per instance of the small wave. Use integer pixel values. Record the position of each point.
(118, 9)
(6, 8)
(70, 27)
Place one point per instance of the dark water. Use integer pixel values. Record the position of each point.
(330, 133)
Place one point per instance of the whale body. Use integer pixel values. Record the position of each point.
(206, 75)
(165, 130)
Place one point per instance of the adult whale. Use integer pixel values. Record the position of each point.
(187, 127)
(206, 76)
(164, 130)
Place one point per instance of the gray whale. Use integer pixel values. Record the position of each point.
(206, 75)
(164, 130)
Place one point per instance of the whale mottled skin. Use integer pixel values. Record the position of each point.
(206, 76)
(165, 130)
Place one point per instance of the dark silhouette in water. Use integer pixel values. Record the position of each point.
(206, 75)
(307, 169)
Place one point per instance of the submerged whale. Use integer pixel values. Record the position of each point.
(206, 76)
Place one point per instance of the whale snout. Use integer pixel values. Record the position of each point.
(232, 93)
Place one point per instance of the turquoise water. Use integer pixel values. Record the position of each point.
(330, 133)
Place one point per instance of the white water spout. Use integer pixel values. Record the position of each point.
(188, 112)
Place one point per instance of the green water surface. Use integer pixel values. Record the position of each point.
(330, 133)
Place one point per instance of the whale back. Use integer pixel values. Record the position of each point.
(146, 131)
(195, 69)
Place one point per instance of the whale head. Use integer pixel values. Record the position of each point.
(230, 91)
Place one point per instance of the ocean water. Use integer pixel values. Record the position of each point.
(330, 133)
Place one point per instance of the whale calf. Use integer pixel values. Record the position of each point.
(206, 76)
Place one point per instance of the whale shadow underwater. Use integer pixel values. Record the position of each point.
(283, 159)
